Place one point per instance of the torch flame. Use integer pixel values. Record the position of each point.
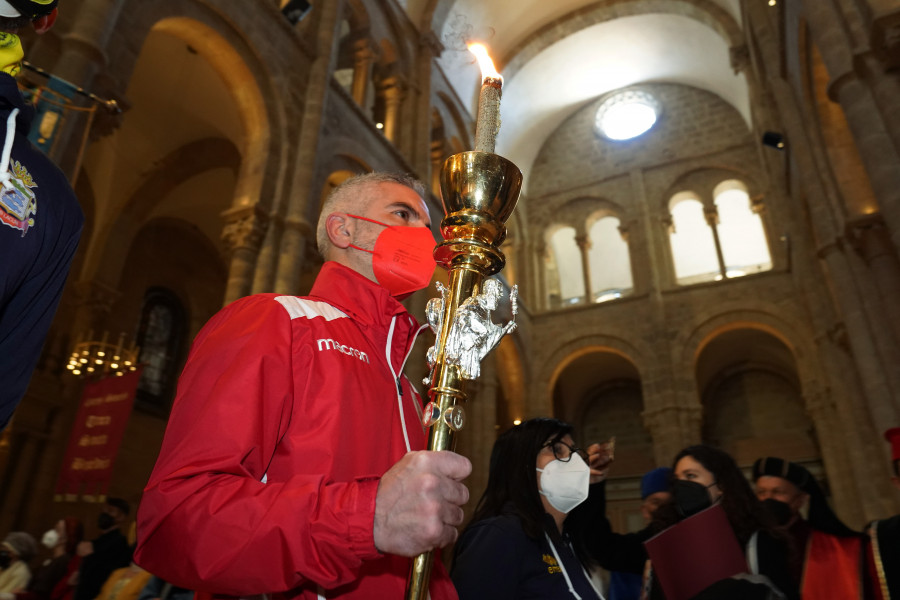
(484, 61)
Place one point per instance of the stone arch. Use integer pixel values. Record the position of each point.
(544, 378)
(703, 182)
(747, 376)
(178, 167)
(601, 208)
(230, 66)
(759, 315)
(249, 60)
(707, 12)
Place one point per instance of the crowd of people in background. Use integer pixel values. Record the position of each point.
(77, 569)
(541, 529)
(541, 526)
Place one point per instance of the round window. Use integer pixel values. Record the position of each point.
(627, 115)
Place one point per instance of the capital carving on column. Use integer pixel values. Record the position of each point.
(885, 38)
(837, 334)
(712, 216)
(673, 427)
(432, 42)
(869, 236)
(97, 297)
(244, 228)
(668, 223)
(818, 404)
(739, 57)
(437, 151)
(757, 204)
(583, 241)
(393, 89)
(363, 51)
(828, 248)
(624, 231)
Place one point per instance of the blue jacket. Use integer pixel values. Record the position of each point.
(494, 558)
(40, 223)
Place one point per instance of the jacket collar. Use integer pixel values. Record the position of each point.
(365, 301)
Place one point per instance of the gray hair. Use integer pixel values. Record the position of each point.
(351, 196)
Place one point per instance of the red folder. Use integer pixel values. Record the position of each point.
(692, 555)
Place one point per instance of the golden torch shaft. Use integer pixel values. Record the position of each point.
(447, 390)
(479, 192)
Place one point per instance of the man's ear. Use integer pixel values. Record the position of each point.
(340, 229)
(799, 501)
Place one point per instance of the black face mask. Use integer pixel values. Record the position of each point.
(780, 511)
(690, 497)
(5, 559)
(105, 521)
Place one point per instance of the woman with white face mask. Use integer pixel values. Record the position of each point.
(523, 541)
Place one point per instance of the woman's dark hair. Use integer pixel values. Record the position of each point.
(512, 481)
(744, 511)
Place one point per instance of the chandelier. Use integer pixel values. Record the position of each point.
(92, 358)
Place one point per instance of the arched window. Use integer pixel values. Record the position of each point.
(565, 277)
(732, 246)
(693, 245)
(160, 337)
(741, 233)
(609, 261)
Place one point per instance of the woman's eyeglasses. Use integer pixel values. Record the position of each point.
(563, 452)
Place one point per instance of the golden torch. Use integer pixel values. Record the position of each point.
(479, 192)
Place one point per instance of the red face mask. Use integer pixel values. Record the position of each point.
(403, 258)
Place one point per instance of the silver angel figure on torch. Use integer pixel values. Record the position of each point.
(473, 333)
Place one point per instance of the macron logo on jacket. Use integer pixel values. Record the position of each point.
(299, 308)
(325, 344)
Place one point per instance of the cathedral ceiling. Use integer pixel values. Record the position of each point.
(557, 56)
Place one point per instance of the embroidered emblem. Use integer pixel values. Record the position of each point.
(18, 201)
(552, 567)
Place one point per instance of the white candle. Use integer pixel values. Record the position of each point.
(487, 125)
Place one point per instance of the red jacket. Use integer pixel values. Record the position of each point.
(287, 415)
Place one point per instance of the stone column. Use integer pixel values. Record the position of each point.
(712, 219)
(672, 429)
(876, 148)
(82, 54)
(437, 158)
(422, 148)
(393, 90)
(832, 445)
(871, 240)
(861, 340)
(243, 234)
(294, 241)
(540, 288)
(83, 50)
(584, 244)
(363, 59)
(16, 498)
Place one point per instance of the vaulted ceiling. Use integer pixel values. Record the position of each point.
(557, 56)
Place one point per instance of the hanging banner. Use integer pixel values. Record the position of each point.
(96, 437)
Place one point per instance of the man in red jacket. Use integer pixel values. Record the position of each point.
(292, 462)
